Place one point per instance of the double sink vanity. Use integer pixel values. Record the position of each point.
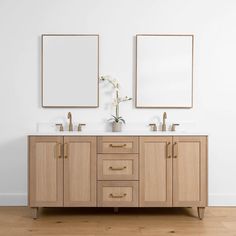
(117, 169)
(123, 169)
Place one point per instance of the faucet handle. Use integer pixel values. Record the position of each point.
(80, 126)
(60, 126)
(173, 126)
(153, 127)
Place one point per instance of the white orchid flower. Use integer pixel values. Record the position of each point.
(117, 100)
(105, 77)
(108, 78)
(115, 81)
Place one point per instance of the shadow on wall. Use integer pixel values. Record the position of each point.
(39, 74)
(14, 160)
(134, 52)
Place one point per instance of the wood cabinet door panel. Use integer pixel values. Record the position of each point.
(46, 171)
(155, 171)
(190, 171)
(79, 171)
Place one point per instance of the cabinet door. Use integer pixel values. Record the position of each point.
(189, 171)
(79, 171)
(45, 171)
(155, 171)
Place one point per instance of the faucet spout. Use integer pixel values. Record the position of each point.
(164, 121)
(69, 116)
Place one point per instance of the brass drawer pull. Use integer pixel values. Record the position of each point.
(117, 196)
(168, 150)
(59, 150)
(117, 168)
(117, 145)
(175, 150)
(66, 151)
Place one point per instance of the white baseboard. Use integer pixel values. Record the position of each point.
(13, 199)
(222, 200)
(21, 199)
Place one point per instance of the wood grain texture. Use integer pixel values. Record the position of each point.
(117, 193)
(80, 171)
(159, 171)
(45, 172)
(121, 144)
(190, 172)
(155, 172)
(117, 166)
(17, 221)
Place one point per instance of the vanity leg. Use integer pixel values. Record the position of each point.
(116, 209)
(34, 212)
(200, 211)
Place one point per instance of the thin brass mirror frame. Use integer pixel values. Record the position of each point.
(42, 102)
(136, 72)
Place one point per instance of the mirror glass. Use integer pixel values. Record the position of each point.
(164, 71)
(70, 70)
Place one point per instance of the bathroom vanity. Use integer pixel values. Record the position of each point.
(127, 169)
(122, 169)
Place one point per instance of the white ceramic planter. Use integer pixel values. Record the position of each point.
(116, 126)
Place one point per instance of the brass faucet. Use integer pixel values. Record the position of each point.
(69, 116)
(173, 127)
(80, 126)
(60, 127)
(153, 127)
(163, 128)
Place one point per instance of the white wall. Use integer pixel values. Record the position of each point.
(117, 21)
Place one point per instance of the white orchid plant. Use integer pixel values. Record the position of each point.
(117, 100)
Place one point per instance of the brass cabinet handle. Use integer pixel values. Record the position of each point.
(59, 150)
(175, 150)
(168, 150)
(117, 168)
(117, 145)
(117, 196)
(66, 151)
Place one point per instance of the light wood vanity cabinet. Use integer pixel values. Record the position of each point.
(173, 172)
(118, 171)
(62, 172)
(118, 160)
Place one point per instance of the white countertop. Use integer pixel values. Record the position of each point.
(123, 133)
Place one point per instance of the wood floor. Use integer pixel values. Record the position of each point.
(16, 221)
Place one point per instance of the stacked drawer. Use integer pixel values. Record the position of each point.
(117, 171)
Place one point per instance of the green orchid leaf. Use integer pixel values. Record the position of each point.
(122, 120)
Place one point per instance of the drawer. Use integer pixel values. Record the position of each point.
(117, 193)
(117, 166)
(118, 145)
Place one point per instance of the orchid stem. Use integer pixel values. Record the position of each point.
(117, 105)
